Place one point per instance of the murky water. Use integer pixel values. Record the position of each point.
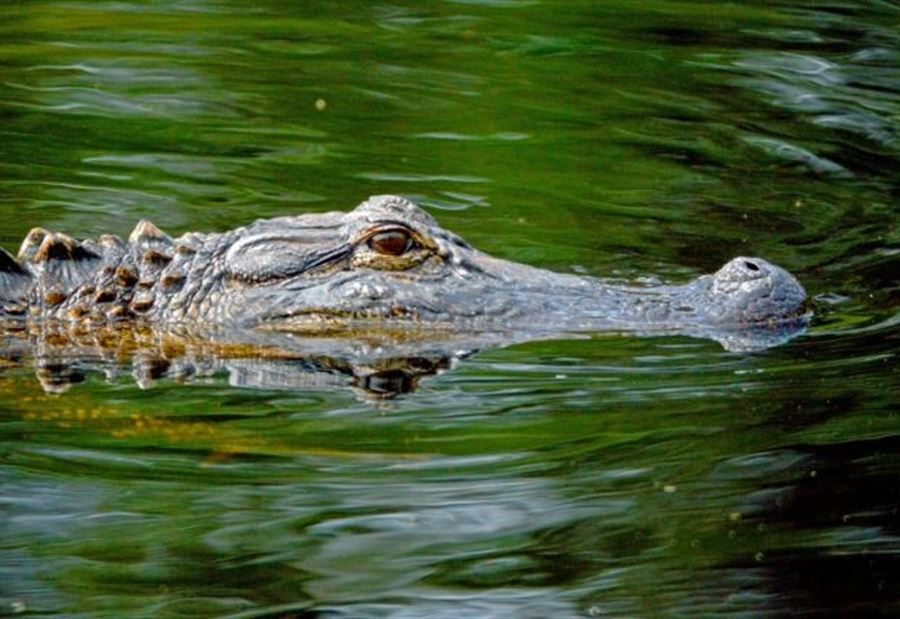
(610, 476)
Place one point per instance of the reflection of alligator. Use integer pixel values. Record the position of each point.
(63, 356)
(384, 268)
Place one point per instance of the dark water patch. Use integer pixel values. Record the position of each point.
(835, 517)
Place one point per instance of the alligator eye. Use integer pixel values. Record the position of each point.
(391, 242)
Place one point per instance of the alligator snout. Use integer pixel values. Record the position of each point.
(743, 271)
(751, 291)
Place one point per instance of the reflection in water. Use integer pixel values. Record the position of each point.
(384, 368)
(378, 365)
(601, 477)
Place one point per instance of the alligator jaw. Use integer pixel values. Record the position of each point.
(742, 307)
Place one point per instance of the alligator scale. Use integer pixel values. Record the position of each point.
(384, 267)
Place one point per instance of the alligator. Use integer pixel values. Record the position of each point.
(384, 267)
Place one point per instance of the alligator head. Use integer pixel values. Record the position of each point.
(389, 265)
(385, 267)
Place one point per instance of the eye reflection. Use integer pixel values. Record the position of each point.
(391, 242)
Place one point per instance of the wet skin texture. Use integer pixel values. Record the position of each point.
(386, 265)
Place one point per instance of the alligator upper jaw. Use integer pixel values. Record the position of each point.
(510, 314)
(747, 304)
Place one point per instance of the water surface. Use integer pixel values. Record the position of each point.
(606, 476)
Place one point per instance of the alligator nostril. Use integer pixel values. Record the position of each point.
(751, 265)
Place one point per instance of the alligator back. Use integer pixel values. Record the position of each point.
(57, 277)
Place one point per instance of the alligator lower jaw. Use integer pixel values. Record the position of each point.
(402, 321)
(388, 324)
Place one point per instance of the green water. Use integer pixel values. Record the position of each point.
(604, 477)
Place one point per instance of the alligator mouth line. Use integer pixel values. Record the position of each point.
(326, 321)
